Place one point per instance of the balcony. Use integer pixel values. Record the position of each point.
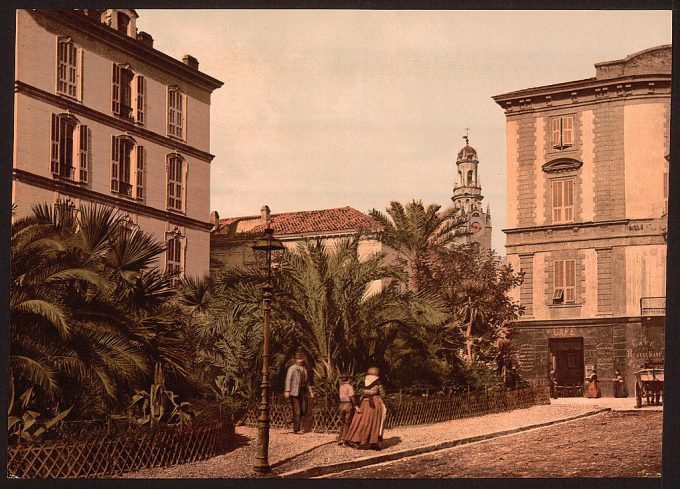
(653, 306)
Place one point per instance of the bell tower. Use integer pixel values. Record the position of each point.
(467, 196)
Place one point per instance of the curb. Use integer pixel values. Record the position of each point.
(388, 457)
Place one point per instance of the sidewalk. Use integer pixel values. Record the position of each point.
(312, 454)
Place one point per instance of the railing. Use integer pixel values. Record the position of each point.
(653, 306)
(98, 449)
(410, 410)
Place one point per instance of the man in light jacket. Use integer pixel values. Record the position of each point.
(297, 388)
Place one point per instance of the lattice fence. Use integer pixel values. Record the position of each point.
(410, 411)
(113, 454)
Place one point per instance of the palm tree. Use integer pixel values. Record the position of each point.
(412, 230)
(89, 316)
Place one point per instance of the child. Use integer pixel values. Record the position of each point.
(347, 406)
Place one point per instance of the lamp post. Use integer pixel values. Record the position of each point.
(264, 248)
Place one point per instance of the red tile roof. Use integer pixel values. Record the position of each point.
(297, 223)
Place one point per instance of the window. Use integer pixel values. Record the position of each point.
(562, 129)
(123, 22)
(71, 143)
(68, 64)
(127, 167)
(174, 253)
(175, 113)
(469, 178)
(562, 201)
(175, 178)
(565, 281)
(128, 94)
(665, 192)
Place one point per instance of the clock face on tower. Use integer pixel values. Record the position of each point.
(476, 227)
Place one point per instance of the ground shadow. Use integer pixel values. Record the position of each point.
(236, 442)
(290, 459)
(390, 442)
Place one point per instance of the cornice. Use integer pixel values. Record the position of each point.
(121, 124)
(128, 45)
(602, 321)
(568, 226)
(77, 191)
(585, 84)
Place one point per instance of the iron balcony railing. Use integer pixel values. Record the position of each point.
(653, 306)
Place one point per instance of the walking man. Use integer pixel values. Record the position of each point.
(297, 388)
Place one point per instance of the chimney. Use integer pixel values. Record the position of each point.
(265, 214)
(145, 38)
(190, 61)
(214, 219)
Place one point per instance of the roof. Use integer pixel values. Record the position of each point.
(298, 223)
(655, 61)
(467, 151)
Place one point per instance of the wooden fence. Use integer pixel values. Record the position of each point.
(409, 411)
(106, 455)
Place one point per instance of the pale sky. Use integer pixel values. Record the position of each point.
(332, 108)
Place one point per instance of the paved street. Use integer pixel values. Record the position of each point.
(611, 444)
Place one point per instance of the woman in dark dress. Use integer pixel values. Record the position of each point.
(369, 420)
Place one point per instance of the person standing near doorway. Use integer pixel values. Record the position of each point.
(297, 387)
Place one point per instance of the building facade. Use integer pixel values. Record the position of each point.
(103, 117)
(232, 238)
(587, 197)
(467, 196)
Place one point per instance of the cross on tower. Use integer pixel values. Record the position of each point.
(467, 139)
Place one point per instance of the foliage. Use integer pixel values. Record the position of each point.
(413, 230)
(89, 314)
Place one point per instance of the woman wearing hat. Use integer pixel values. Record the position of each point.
(347, 406)
(368, 422)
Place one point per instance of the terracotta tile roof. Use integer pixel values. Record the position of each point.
(297, 223)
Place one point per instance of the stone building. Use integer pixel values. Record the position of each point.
(101, 116)
(232, 238)
(467, 195)
(587, 196)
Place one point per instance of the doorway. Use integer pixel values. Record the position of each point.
(566, 357)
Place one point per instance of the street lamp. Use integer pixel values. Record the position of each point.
(265, 249)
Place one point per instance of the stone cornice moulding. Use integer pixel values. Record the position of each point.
(583, 88)
(562, 165)
(576, 322)
(105, 34)
(70, 105)
(76, 191)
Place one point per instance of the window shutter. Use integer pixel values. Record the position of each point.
(559, 274)
(180, 115)
(568, 200)
(79, 71)
(83, 152)
(140, 103)
(557, 201)
(569, 280)
(54, 159)
(115, 155)
(116, 89)
(141, 170)
(567, 131)
(72, 61)
(555, 129)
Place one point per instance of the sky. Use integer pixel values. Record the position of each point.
(333, 108)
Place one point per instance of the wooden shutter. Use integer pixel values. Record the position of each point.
(568, 200)
(567, 131)
(559, 276)
(115, 155)
(569, 280)
(116, 89)
(141, 170)
(54, 159)
(180, 115)
(140, 102)
(555, 130)
(83, 152)
(557, 201)
(71, 67)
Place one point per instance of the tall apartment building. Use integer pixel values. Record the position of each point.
(101, 116)
(587, 173)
